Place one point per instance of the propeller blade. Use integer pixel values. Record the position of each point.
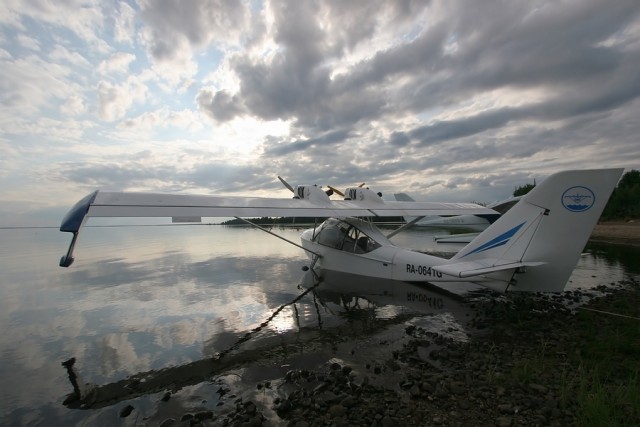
(335, 190)
(286, 184)
(362, 185)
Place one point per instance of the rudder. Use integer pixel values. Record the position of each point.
(550, 226)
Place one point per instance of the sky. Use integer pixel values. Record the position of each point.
(446, 100)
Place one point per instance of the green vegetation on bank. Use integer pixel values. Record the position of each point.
(592, 358)
(523, 189)
(624, 203)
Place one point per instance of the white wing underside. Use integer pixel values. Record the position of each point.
(117, 204)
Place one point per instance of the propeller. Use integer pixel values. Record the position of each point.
(340, 193)
(328, 192)
(335, 190)
(286, 184)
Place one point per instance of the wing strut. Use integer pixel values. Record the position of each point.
(279, 237)
(404, 227)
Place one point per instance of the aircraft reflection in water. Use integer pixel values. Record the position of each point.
(377, 303)
(350, 290)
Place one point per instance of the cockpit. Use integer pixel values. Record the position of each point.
(349, 235)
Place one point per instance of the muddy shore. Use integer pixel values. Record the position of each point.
(527, 362)
(623, 232)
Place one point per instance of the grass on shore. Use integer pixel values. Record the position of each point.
(608, 361)
(592, 359)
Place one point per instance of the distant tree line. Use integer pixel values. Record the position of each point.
(523, 189)
(624, 203)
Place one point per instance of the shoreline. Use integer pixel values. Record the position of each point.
(617, 232)
(535, 360)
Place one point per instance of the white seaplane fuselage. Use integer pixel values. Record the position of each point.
(355, 246)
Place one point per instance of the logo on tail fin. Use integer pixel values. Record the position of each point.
(578, 199)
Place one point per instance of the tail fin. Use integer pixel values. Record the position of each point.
(404, 197)
(545, 232)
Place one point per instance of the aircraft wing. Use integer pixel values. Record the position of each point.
(120, 204)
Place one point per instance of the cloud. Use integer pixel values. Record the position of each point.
(30, 83)
(273, 148)
(115, 100)
(28, 42)
(74, 106)
(171, 26)
(124, 24)
(83, 18)
(220, 106)
(116, 63)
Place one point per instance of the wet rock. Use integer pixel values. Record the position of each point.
(126, 411)
(284, 408)
(250, 408)
(349, 402)
(387, 422)
(415, 391)
(464, 404)
(204, 415)
(537, 387)
(504, 421)
(165, 397)
(505, 408)
(337, 411)
(167, 423)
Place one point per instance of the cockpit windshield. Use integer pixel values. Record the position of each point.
(342, 235)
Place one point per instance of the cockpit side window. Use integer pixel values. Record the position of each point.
(330, 235)
(341, 235)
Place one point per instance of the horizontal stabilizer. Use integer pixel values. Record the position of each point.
(484, 266)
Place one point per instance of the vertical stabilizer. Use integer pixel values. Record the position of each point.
(549, 226)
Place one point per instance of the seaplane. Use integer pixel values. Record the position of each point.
(533, 247)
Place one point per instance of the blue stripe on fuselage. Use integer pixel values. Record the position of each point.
(497, 241)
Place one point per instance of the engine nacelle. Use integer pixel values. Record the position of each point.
(362, 194)
(310, 192)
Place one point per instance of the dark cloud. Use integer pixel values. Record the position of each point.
(275, 148)
(199, 22)
(571, 53)
(220, 106)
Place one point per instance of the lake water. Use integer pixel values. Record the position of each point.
(141, 299)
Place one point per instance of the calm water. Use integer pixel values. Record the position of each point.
(141, 299)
